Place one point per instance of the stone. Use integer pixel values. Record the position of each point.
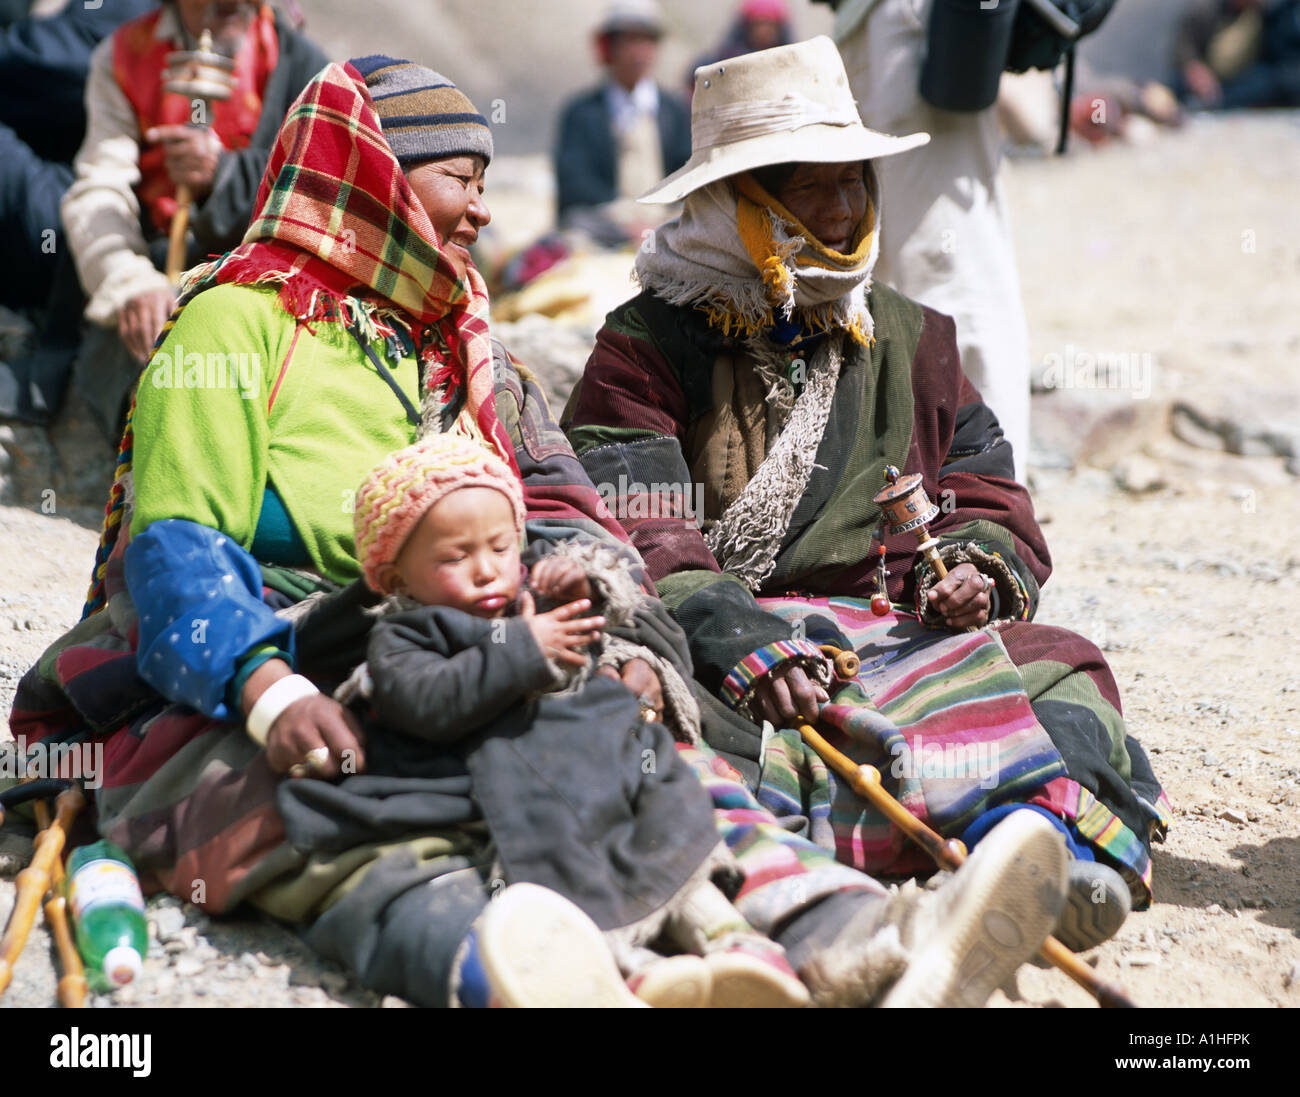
(170, 921)
(1214, 908)
(1292, 977)
(335, 982)
(1138, 474)
(15, 853)
(1144, 959)
(304, 978)
(1234, 815)
(188, 967)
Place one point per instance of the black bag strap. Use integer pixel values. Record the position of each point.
(412, 413)
(1067, 94)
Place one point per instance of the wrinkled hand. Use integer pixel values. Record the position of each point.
(560, 579)
(190, 155)
(638, 676)
(312, 722)
(962, 597)
(563, 634)
(142, 318)
(785, 696)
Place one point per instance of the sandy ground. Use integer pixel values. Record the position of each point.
(1186, 251)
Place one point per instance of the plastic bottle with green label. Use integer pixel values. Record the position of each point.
(108, 911)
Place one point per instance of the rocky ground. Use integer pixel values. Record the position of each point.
(1175, 555)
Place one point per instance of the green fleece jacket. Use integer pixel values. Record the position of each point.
(242, 396)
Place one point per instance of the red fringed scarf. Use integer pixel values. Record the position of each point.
(340, 230)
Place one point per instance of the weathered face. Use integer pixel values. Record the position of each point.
(631, 56)
(830, 200)
(226, 19)
(464, 553)
(451, 192)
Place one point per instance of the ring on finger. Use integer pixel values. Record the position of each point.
(313, 762)
(649, 713)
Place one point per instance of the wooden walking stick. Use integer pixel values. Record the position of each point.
(845, 662)
(951, 854)
(34, 881)
(203, 76)
(72, 984)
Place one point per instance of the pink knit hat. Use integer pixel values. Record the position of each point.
(400, 490)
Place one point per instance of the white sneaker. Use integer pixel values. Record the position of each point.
(674, 982)
(538, 950)
(969, 936)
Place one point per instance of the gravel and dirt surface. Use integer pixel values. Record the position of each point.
(1179, 560)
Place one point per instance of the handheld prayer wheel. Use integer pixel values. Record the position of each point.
(908, 509)
(202, 75)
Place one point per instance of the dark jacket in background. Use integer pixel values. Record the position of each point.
(43, 66)
(586, 158)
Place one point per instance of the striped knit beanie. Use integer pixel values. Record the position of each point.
(400, 490)
(423, 114)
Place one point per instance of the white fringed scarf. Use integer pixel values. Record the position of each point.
(746, 262)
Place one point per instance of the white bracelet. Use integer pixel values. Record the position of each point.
(277, 697)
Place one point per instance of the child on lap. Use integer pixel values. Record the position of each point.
(473, 663)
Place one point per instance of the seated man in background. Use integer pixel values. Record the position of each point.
(616, 140)
(140, 147)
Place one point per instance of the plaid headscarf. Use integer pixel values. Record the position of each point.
(340, 230)
(339, 226)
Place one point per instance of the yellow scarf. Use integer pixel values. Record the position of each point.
(758, 215)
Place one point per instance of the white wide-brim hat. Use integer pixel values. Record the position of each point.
(791, 104)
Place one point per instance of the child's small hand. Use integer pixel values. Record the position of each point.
(562, 634)
(559, 579)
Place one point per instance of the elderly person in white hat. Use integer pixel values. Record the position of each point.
(748, 404)
(617, 138)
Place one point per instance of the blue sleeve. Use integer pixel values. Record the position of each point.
(198, 595)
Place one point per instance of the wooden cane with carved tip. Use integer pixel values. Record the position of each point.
(34, 881)
(72, 984)
(950, 853)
